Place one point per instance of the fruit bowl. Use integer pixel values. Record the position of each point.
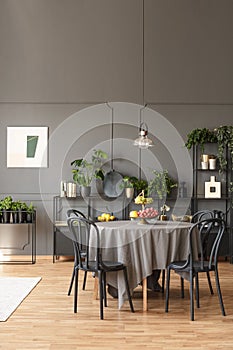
(147, 215)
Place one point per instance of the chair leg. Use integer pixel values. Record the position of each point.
(191, 297)
(76, 290)
(219, 292)
(104, 289)
(84, 280)
(182, 287)
(71, 281)
(197, 290)
(209, 282)
(101, 294)
(167, 289)
(128, 290)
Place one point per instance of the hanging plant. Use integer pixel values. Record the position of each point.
(224, 135)
(200, 137)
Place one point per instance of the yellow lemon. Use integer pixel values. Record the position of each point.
(112, 217)
(133, 214)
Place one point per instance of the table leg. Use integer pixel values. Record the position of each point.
(144, 293)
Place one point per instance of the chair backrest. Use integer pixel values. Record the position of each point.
(207, 214)
(201, 215)
(85, 237)
(74, 212)
(207, 229)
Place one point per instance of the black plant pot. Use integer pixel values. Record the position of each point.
(29, 217)
(6, 216)
(15, 217)
(22, 216)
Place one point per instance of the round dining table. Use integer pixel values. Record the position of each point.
(142, 248)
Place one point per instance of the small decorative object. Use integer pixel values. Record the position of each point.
(182, 190)
(204, 161)
(71, 190)
(164, 209)
(183, 218)
(63, 189)
(212, 162)
(212, 188)
(204, 165)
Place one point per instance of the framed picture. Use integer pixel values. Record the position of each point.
(27, 146)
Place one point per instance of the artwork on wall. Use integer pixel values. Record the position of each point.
(27, 147)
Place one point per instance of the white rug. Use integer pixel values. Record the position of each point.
(13, 290)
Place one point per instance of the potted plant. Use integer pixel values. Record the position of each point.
(140, 185)
(23, 212)
(127, 184)
(15, 207)
(85, 171)
(5, 208)
(30, 210)
(161, 184)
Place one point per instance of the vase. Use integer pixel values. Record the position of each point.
(129, 192)
(85, 191)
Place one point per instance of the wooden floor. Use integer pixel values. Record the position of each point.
(45, 319)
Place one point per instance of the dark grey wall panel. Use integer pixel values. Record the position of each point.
(188, 51)
(70, 51)
(188, 117)
(56, 52)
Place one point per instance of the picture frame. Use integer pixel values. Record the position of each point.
(27, 147)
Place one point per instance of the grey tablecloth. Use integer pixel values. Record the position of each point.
(143, 248)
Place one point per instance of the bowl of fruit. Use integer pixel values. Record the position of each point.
(147, 215)
(144, 216)
(106, 217)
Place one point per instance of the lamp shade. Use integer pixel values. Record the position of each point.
(143, 140)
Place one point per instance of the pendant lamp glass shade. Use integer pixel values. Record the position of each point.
(143, 140)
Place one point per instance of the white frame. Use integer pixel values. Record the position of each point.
(17, 147)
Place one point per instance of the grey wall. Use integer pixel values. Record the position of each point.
(60, 56)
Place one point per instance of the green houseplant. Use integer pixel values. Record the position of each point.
(200, 137)
(222, 135)
(161, 184)
(85, 171)
(5, 208)
(30, 210)
(127, 184)
(15, 207)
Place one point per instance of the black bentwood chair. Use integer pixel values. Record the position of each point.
(199, 216)
(76, 213)
(82, 230)
(204, 263)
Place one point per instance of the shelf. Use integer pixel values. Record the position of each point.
(215, 199)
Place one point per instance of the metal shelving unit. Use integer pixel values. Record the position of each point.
(224, 203)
